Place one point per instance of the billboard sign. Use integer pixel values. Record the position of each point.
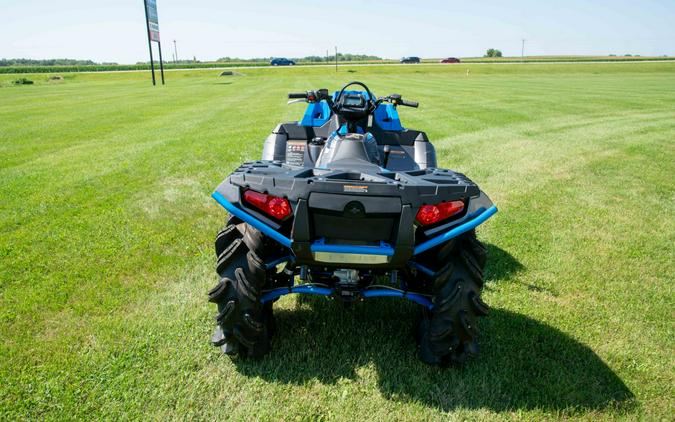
(153, 20)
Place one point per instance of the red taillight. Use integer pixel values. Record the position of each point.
(274, 206)
(430, 214)
(278, 207)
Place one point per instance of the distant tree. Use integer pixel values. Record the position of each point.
(493, 53)
(314, 59)
(343, 57)
(45, 62)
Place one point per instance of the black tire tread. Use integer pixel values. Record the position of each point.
(243, 322)
(448, 333)
(224, 238)
(228, 254)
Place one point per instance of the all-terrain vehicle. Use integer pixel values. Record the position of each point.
(350, 204)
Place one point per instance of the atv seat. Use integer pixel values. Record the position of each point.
(410, 149)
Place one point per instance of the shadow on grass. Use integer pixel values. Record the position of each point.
(501, 264)
(524, 364)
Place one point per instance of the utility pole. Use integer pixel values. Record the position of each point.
(326, 56)
(522, 51)
(147, 24)
(336, 58)
(161, 61)
(175, 52)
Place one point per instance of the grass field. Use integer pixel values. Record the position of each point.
(106, 229)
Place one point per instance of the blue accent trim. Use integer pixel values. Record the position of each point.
(238, 212)
(422, 268)
(386, 117)
(325, 291)
(384, 248)
(343, 130)
(417, 298)
(462, 228)
(309, 290)
(316, 114)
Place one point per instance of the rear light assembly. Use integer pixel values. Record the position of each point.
(432, 214)
(273, 206)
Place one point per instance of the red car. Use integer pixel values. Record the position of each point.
(450, 60)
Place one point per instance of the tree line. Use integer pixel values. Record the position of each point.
(342, 57)
(50, 62)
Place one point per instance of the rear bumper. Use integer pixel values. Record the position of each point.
(309, 251)
(476, 219)
(244, 216)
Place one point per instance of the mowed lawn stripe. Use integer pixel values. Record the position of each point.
(106, 251)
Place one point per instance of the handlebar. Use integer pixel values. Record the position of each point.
(407, 103)
(396, 100)
(311, 96)
(322, 94)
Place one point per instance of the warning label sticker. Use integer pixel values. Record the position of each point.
(295, 152)
(355, 188)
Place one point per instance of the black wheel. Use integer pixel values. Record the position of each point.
(244, 325)
(448, 334)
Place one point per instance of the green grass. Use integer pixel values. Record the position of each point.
(106, 229)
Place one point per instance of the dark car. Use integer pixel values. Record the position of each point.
(450, 60)
(411, 59)
(280, 61)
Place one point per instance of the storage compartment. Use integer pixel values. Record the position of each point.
(369, 230)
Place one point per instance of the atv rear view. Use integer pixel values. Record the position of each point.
(347, 203)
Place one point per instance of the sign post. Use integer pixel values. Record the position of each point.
(152, 25)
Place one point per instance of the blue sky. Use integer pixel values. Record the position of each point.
(114, 30)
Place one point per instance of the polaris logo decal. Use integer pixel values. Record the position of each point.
(355, 188)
